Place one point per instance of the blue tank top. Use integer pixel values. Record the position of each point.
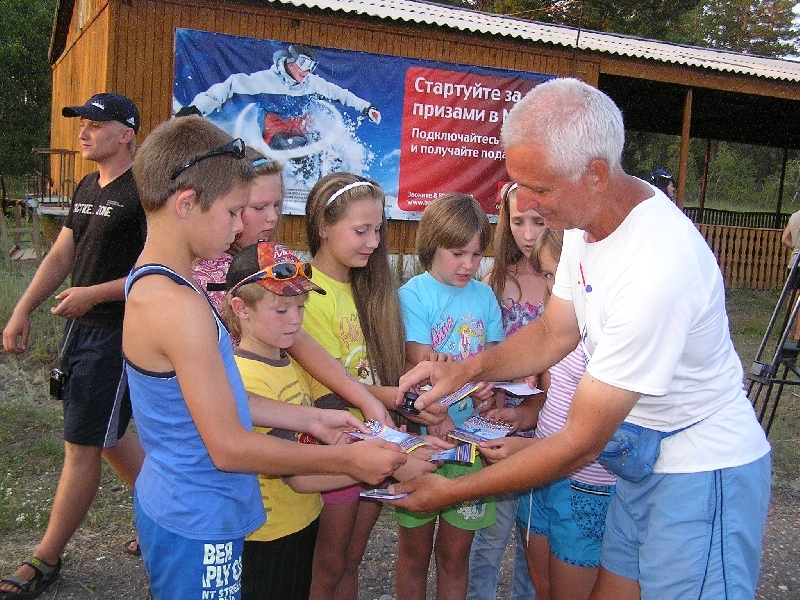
(179, 488)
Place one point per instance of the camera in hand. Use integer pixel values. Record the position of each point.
(407, 407)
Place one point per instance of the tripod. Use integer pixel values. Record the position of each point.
(766, 380)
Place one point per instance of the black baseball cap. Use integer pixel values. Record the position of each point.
(107, 107)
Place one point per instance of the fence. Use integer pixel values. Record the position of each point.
(748, 257)
(715, 216)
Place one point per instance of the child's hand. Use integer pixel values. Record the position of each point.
(483, 393)
(496, 450)
(441, 430)
(532, 381)
(507, 415)
(330, 426)
(377, 412)
(374, 460)
(432, 414)
(413, 468)
(435, 445)
(439, 357)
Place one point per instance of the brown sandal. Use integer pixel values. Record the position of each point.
(44, 576)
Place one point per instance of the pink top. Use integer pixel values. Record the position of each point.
(564, 378)
(212, 271)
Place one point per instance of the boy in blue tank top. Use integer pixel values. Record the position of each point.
(196, 497)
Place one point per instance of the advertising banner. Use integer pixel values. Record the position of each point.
(419, 128)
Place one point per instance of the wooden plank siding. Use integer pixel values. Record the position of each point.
(747, 257)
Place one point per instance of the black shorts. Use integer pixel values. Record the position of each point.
(97, 406)
(280, 569)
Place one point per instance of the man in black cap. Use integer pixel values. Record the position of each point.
(101, 239)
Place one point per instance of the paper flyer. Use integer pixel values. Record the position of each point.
(406, 441)
(476, 429)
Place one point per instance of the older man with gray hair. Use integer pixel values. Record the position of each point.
(640, 287)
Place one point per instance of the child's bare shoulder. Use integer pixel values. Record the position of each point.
(160, 316)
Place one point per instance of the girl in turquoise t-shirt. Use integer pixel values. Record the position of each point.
(448, 315)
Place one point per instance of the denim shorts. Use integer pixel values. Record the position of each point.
(180, 568)
(690, 535)
(571, 515)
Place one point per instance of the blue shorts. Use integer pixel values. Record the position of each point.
(571, 515)
(690, 535)
(97, 405)
(184, 569)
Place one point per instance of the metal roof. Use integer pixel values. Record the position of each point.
(569, 37)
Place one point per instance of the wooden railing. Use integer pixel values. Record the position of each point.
(716, 216)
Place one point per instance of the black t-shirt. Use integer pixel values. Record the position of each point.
(109, 228)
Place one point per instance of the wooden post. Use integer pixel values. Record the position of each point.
(704, 181)
(683, 160)
(777, 224)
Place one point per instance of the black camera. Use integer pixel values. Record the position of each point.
(407, 407)
(57, 380)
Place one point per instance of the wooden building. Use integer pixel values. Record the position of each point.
(127, 46)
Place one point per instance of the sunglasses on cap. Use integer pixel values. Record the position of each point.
(234, 148)
(279, 272)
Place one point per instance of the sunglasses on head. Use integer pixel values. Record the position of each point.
(233, 148)
(279, 272)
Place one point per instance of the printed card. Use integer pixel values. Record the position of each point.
(459, 394)
(406, 441)
(476, 429)
(463, 453)
(381, 494)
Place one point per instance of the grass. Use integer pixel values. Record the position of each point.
(31, 422)
(31, 447)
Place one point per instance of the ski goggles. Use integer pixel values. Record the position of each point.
(280, 272)
(234, 148)
(305, 63)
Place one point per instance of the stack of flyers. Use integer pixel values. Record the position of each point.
(476, 429)
(381, 494)
(406, 441)
(463, 453)
(458, 394)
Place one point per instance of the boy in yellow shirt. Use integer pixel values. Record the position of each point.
(268, 286)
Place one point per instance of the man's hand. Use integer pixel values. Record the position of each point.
(427, 493)
(374, 460)
(15, 335)
(445, 377)
(373, 114)
(331, 426)
(74, 302)
(495, 450)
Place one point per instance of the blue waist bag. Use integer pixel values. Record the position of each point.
(632, 451)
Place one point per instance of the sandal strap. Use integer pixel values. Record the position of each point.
(37, 564)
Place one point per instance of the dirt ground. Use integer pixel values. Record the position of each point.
(96, 568)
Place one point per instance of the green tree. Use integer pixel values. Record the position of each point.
(25, 29)
(763, 27)
(654, 19)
